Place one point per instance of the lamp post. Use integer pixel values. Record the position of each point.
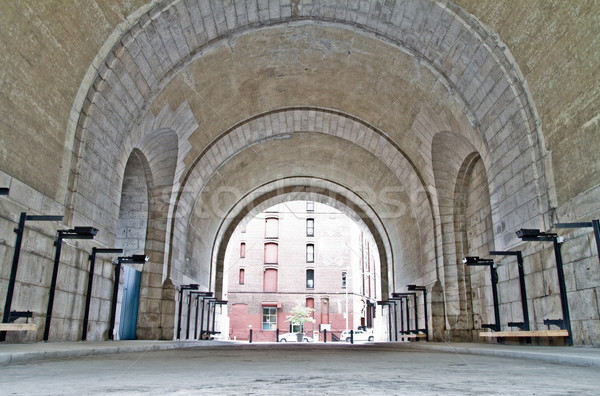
(191, 286)
(534, 235)
(15, 263)
(595, 224)
(525, 324)
(134, 259)
(209, 299)
(476, 261)
(198, 295)
(88, 297)
(395, 301)
(407, 296)
(74, 233)
(214, 309)
(424, 290)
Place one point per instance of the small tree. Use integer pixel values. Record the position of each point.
(300, 315)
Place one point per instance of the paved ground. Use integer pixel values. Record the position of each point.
(317, 369)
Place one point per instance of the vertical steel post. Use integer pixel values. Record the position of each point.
(189, 312)
(407, 316)
(596, 226)
(396, 321)
(250, 336)
(202, 320)
(401, 331)
(390, 322)
(214, 317)
(196, 318)
(88, 297)
(13, 272)
(523, 291)
(494, 276)
(208, 318)
(425, 312)
(277, 335)
(563, 291)
(416, 314)
(53, 285)
(324, 336)
(113, 305)
(179, 315)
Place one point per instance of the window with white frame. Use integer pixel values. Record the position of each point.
(310, 278)
(271, 253)
(271, 227)
(269, 318)
(310, 253)
(310, 227)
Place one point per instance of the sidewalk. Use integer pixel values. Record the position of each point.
(24, 353)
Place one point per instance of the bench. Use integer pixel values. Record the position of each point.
(18, 327)
(530, 333)
(14, 315)
(413, 335)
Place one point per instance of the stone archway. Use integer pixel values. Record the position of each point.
(464, 74)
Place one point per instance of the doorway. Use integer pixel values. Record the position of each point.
(130, 303)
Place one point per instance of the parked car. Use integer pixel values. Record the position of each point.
(293, 337)
(359, 335)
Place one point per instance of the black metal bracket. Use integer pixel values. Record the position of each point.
(520, 325)
(14, 315)
(491, 326)
(555, 322)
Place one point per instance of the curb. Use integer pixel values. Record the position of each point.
(20, 357)
(545, 356)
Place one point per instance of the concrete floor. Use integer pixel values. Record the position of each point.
(317, 369)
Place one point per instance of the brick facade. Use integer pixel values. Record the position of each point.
(340, 246)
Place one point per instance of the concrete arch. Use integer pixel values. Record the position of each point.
(285, 123)
(472, 70)
(319, 190)
(472, 63)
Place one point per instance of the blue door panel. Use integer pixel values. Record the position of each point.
(130, 303)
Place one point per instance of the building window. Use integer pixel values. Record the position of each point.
(242, 249)
(271, 253)
(325, 311)
(310, 206)
(310, 303)
(310, 227)
(242, 276)
(310, 279)
(271, 227)
(310, 253)
(270, 280)
(269, 318)
(344, 275)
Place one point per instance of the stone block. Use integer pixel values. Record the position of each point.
(583, 305)
(590, 332)
(535, 285)
(586, 273)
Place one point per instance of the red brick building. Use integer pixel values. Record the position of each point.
(301, 253)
